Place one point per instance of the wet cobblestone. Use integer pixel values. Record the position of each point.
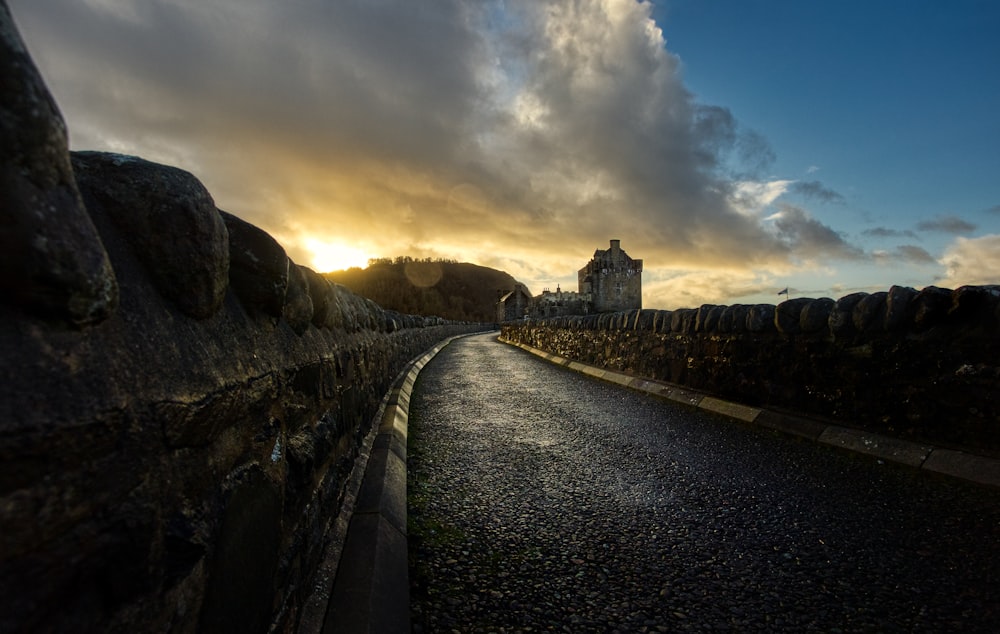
(541, 500)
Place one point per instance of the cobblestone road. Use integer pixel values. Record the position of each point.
(541, 500)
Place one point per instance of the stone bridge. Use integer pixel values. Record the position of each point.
(178, 394)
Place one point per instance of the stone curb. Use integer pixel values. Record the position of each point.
(371, 589)
(958, 464)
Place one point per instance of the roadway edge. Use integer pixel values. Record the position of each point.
(949, 462)
(371, 588)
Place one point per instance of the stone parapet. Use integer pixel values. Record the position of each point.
(921, 365)
(176, 466)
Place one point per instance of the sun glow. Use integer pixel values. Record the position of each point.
(335, 256)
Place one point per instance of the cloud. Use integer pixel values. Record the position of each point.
(816, 191)
(972, 261)
(885, 232)
(995, 209)
(906, 254)
(946, 224)
(914, 254)
(498, 131)
(678, 289)
(809, 237)
(752, 197)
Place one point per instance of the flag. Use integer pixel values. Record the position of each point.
(784, 292)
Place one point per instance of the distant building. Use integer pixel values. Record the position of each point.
(610, 282)
(612, 279)
(561, 302)
(515, 304)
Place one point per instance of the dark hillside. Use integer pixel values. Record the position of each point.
(459, 291)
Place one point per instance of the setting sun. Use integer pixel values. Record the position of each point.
(335, 256)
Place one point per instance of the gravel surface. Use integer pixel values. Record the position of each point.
(541, 500)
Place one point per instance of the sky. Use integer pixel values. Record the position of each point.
(738, 147)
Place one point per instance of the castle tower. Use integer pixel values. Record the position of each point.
(612, 279)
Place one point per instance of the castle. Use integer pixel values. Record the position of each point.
(610, 282)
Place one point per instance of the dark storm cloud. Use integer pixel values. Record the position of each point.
(885, 232)
(947, 224)
(914, 254)
(392, 80)
(815, 190)
(754, 153)
(807, 235)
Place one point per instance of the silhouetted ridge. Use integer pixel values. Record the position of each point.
(444, 288)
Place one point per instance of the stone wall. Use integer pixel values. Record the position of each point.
(923, 365)
(182, 405)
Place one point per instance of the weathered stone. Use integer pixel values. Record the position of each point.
(657, 323)
(320, 293)
(335, 312)
(644, 319)
(170, 221)
(707, 318)
(393, 321)
(663, 321)
(899, 307)
(648, 319)
(349, 308)
(376, 317)
(361, 315)
(196, 423)
(760, 318)
(240, 592)
(371, 313)
(258, 266)
(869, 313)
(931, 306)
(788, 315)
(975, 305)
(53, 261)
(355, 316)
(816, 315)
(298, 310)
(682, 321)
(344, 314)
(359, 312)
(622, 321)
(733, 319)
(842, 315)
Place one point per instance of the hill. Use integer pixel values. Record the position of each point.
(453, 290)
